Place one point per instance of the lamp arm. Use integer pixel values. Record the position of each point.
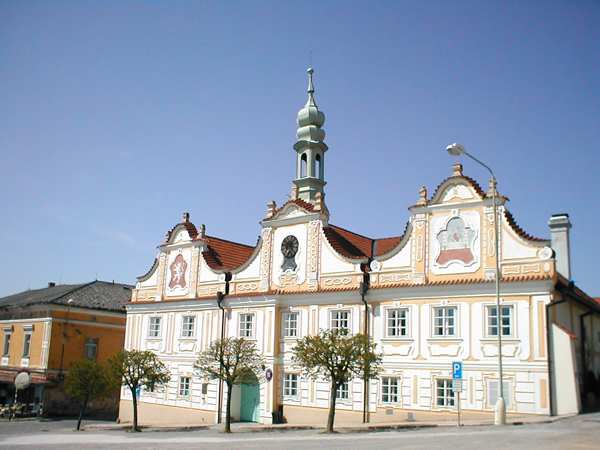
(481, 163)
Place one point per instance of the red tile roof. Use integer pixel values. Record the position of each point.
(356, 246)
(225, 255)
(517, 229)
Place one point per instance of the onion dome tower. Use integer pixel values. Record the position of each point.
(310, 148)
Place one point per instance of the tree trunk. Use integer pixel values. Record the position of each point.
(331, 416)
(135, 415)
(228, 408)
(82, 411)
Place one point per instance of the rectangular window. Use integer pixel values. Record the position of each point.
(184, 386)
(506, 320)
(26, 345)
(290, 324)
(154, 327)
(247, 325)
(187, 326)
(6, 349)
(290, 385)
(493, 393)
(444, 321)
(397, 322)
(340, 320)
(91, 348)
(444, 395)
(389, 389)
(342, 392)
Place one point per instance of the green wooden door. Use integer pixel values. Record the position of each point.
(249, 402)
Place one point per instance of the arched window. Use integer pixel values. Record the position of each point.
(303, 165)
(318, 167)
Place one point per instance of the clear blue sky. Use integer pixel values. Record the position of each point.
(117, 116)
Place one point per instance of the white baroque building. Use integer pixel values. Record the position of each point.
(429, 297)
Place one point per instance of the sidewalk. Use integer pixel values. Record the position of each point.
(245, 427)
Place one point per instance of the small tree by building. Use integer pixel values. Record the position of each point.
(339, 357)
(138, 369)
(233, 361)
(86, 381)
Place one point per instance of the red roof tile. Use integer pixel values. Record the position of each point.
(517, 229)
(356, 246)
(222, 254)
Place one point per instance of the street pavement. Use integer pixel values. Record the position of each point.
(575, 433)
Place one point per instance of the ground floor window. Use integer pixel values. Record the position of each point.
(184, 386)
(290, 385)
(493, 393)
(444, 395)
(390, 388)
(342, 392)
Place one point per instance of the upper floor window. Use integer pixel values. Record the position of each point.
(506, 320)
(26, 345)
(340, 320)
(390, 388)
(154, 327)
(397, 322)
(247, 325)
(6, 347)
(444, 321)
(290, 385)
(290, 324)
(444, 394)
(342, 392)
(91, 348)
(187, 326)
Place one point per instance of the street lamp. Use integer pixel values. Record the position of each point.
(500, 408)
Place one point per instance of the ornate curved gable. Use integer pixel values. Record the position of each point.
(457, 188)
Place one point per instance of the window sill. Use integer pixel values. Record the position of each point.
(154, 338)
(187, 338)
(453, 339)
(397, 339)
(505, 339)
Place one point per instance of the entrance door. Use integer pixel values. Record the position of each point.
(249, 402)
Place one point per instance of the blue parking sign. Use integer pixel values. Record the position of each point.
(457, 370)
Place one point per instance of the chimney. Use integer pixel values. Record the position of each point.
(51, 284)
(559, 232)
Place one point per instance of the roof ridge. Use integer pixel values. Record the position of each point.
(78, 288)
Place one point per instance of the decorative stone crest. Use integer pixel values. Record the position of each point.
(178, 268)
(456, 243)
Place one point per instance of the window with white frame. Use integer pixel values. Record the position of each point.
(342, 392)
(506, 320)
(340, 320)
(247, 325)
(492, 386)
(397, 322)
(444, 395)
(26, 345)
(290, 385)
(91, 348)
(444, 321)
(390, 388)
(184, 386)
(187, 326)
(290, 324)
(154, 327)
(6, 347)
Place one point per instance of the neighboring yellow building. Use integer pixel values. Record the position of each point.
(44, 331)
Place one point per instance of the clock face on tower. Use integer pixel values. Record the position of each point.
(289, 248)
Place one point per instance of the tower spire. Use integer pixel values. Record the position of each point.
(310, 147)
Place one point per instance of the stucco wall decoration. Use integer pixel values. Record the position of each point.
(178, 269)
(455, 242)
(177, 276)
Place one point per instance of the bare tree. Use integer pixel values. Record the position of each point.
(233, 361)
(136, 369)
(339, 357)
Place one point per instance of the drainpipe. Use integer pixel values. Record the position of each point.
(220, 298)
(364, 287)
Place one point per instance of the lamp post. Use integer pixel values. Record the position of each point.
(500, 407)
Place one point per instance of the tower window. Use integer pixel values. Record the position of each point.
(303, 165)
(318, 168)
